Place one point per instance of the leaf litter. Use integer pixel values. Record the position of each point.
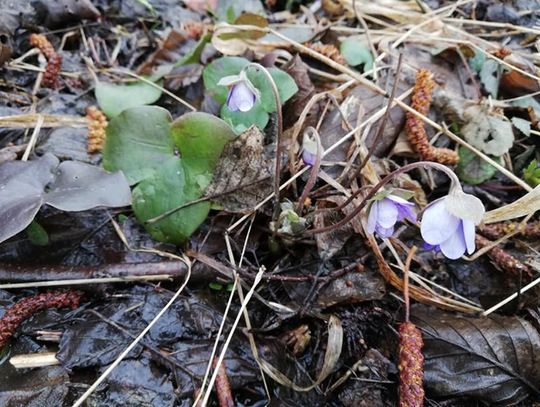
(200, 191)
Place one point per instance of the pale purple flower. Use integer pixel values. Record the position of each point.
(449, 233)
(309, 149)
(385, 212)
(242, 94)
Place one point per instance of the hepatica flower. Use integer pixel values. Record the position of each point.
(309, 149)
(242, 94)
(386, 212)
(448, 224)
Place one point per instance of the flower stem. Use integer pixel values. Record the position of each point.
(279, 131)
(425, 164)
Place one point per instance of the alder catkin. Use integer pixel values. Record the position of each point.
(96, 129)
(54, 60)
(411, 366)
(495, 231)
(414, 126)
(24, 309)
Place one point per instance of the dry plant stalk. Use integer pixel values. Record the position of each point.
(414, 126)
(54, 60)
(329, 51)
(28, 306)
(411, 359)
(495, 231)
(223, 387)
(96, 129)
(504, 260)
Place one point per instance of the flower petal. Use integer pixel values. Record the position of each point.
(399, 200)
(229, 80)
(437, 224)
(372, 217)
(241, 98)
(406, 212)
(388, 213)
(454, 247)
(308, 158)
(385, 232)
(470, 235)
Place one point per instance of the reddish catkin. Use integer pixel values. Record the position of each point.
(411, 362)
(52, 71)
(96, 129)
(223, 387)
(495, 231)
(502, 259)
(54, 60)
(24, 309)
(414, 126)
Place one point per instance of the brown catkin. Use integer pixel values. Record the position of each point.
(96, 129)
(328, 50)
(223, 386)
(24, 309)
(411, 366)
(504, 260)
(495, 231)
(44, 45)
(54, 60)
(414, 126)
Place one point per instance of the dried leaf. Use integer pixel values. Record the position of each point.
(243, 175)
(525, 205)
(490, 76)
(488, 359)
(487, 132)
(330, 243)
(333, 351)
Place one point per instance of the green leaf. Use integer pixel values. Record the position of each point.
(471, 169)
(37, 234)
(531, 174)
(490, 76)
(284, 82)
(201, 137)
(241, 121)
(216, 70)
(170, 186)
(357, 52)
(114, 99)
(194, 55)
(215, 286)
(138, 141)
(227, 66)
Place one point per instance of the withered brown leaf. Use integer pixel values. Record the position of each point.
(243, 175)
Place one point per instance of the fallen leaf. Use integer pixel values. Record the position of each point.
(489, 133)
(244, 173)
(492, 360)
(490, 76)
(299, 72)
(473, 170)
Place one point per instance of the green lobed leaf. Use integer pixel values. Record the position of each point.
(241, 121)
(138, 141)
(531, 174)
(170, 186)
(357, 52)
(201, 137)
(37, 234)
(113, 99)
(473, 170)
(227, 66)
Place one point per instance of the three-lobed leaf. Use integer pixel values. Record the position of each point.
(138, 141)
(113, 99)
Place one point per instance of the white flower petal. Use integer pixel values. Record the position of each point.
(399, 200)
(469, 233)
(229, 80)
(388, 213)
(437, 223)
(372, 217)
(454, 247)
